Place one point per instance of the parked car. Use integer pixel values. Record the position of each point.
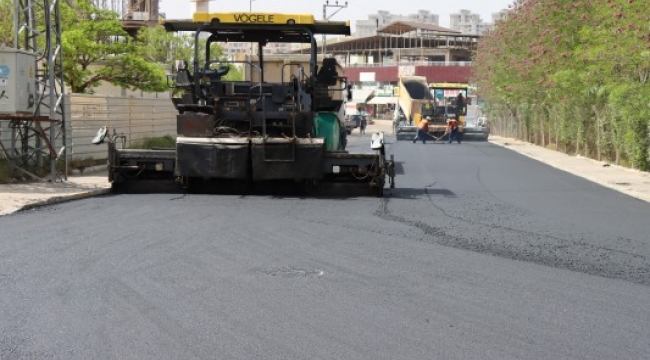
(353, 121)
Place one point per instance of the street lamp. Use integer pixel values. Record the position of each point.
(250, 9)
(325, 17)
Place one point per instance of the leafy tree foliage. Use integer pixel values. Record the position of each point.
(157, 45)
(97, 49)
(573, 75)
(6, 22)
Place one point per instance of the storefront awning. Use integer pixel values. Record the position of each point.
(383, 100)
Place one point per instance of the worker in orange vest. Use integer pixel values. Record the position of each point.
(452, 128)
(422, 131)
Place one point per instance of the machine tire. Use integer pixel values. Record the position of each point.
(308, 186)
(378, 187)
(117, 188)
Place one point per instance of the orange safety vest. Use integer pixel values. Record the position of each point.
(424, 125)
(453, 124)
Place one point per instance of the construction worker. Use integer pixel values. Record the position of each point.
(460, 106)
(362, 125)
(422, 131)
(452, 129)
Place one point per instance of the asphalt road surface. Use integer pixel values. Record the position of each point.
(479, 253)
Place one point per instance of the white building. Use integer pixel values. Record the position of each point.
(500, 16)
(232, 49)
(468, 23)
(367, 28)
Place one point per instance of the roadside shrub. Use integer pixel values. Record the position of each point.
(164, 142)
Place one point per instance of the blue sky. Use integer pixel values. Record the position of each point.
(356, 9)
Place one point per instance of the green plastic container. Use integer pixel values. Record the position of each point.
(327, 126)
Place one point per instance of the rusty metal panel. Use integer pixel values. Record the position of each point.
(286, 159)
(215, 158)
(195, 125)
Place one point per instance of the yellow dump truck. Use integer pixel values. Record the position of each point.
(414, 101)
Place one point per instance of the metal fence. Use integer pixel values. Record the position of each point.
(137, 118)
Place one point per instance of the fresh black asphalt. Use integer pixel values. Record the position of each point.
(478, 253)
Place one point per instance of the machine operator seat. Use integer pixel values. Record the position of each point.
(183, 75)
(183, 78)
(327, 74)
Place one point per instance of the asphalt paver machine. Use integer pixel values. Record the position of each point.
(283, 122)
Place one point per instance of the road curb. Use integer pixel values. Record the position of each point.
(63, 199)
(630, 179)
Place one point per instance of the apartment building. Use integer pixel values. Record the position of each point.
(367, 28)
(500, 16)
(468, 23)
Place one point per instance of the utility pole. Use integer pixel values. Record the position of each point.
(326, 18)
(250, 9)
(380, 60)
(40, 135)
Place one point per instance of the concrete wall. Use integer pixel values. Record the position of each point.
(136, 118)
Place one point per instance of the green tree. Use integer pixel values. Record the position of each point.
(6, 22)
(96, 49)
(157, 45)
(580, 69)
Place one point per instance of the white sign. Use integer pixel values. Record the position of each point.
(4, 82)
(451, 92)
(406, 70)
(367, 76)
